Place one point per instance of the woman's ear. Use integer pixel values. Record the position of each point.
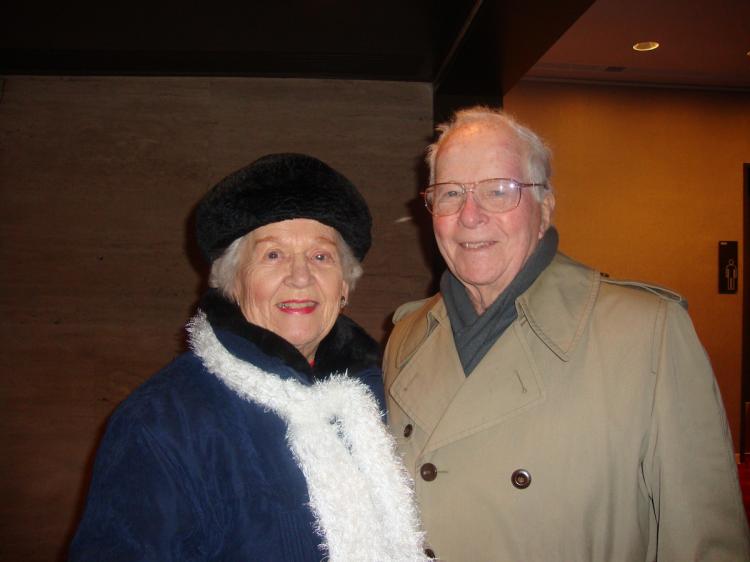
(344, 294)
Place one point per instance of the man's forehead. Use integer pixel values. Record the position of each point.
(481, 132)
(488, 138)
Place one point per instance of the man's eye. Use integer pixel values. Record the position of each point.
(496, 191)
(273, 255)
(450, 194)
(322, 256)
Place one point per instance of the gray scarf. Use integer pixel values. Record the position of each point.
(475, 334)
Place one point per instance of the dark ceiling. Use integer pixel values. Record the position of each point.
(283, 38)
(461, 46)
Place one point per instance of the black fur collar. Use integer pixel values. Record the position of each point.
(346, 347)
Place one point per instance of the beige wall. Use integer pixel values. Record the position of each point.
(648, 182)
(98, 178)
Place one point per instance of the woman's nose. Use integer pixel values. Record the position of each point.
(299, 275)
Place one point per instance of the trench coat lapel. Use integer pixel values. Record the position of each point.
(505, 383)
(430, 379)
(433, 390)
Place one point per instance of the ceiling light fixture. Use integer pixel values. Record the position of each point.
(645, 46)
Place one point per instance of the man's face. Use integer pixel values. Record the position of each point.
(486, 250)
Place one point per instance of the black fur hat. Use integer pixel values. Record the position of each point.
(280, 187)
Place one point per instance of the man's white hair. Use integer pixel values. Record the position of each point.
(534, 153)
(224, 268)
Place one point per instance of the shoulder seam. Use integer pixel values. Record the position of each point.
(661, 292)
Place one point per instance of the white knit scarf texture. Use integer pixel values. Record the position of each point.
(360, 493)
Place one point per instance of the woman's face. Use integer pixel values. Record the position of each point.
(290, 281)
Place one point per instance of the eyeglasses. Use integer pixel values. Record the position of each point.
(494, 195)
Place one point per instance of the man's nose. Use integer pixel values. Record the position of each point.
(471, 214)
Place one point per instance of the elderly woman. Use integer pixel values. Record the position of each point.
(265, 441)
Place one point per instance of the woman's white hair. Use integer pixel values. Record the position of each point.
(224, 268)
(535, 154)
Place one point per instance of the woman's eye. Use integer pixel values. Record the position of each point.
(273, 255)
(322, 256)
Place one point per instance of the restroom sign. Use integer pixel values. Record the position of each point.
(729, 272)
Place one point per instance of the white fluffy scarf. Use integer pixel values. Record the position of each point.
(360, 493)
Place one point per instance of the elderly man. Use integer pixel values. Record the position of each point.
(546, 412)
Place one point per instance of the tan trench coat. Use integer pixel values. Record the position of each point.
(603, 395)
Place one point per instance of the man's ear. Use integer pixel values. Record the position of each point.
(547, 210)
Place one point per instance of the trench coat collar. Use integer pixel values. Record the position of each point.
(558, 304)
(450, 406)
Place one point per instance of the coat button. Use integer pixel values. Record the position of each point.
(428, 471)
(429, 553)
(521, 478)
(408, 429)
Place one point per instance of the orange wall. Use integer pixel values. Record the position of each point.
(648, 181)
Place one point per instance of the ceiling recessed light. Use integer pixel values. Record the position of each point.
(645, 46)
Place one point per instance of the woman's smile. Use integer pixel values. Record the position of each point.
(297, 306)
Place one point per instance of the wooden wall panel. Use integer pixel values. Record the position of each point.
(98, 180)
